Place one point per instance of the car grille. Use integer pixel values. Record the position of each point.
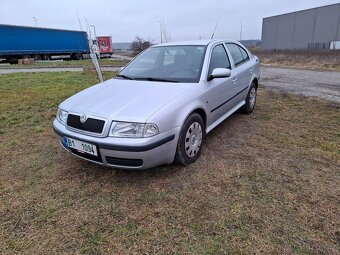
(124, 162)
(90, 125)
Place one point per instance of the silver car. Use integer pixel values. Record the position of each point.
(160, 107)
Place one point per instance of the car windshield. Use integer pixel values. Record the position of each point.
(167, 63)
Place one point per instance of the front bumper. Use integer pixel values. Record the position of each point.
(126, 153)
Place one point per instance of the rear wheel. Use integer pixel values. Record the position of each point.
(46, 57)
(37, 57)
(190, 140)
(77, 56)
(249, 106)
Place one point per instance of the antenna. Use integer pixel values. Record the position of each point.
(213, 34)
(80, 25)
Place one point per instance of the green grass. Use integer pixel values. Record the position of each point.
(266, 183)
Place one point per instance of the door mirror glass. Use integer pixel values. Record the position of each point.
(220, 73)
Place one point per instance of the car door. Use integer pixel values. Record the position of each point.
(243, 70)
(220, 90)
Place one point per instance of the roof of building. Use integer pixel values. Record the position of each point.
(303, 10)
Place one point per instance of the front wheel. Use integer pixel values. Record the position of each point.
(190, 140)
(77, 56)
(249, 106)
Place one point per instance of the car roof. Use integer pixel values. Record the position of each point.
(194, 42)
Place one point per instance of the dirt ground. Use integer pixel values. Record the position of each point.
(321, 84)
(266, 183)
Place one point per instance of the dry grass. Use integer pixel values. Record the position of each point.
(307, 59)
(266, 183)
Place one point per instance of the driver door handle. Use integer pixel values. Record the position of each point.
(234, 80)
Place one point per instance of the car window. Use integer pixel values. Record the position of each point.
(236, 53)
(244, 54)
(178, 63)
(219, 59)
(146, 63)
(170, 55)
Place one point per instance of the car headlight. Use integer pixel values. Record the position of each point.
(137, 130)
(62, 116)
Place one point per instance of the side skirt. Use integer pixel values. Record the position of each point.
(222, 118)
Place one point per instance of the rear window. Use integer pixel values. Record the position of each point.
(244, 54)
(238, 54)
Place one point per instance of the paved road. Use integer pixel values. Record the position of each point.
(51, 69)
(324, 85)
(121, 57)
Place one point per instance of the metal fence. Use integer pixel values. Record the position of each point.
(319, 46)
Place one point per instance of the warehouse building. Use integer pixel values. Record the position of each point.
(316, 28)
(121, 47)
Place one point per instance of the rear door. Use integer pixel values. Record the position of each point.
(243, 70)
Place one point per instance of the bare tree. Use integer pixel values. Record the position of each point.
(139, 44)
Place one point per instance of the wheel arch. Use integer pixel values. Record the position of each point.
(202, 113)
(256, 82)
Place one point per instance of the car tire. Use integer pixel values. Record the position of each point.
(77, 56)
(249, 106)
(13, 61)
(46, 57)
(190, 140)
(37, 57)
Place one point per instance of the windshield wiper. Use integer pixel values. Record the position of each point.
(124, 77)
(154, 79)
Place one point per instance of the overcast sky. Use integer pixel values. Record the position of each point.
(124, 19)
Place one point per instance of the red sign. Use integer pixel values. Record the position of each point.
(104, 44)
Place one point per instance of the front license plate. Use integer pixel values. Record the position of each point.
(81, 146)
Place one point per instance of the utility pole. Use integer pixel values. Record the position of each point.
(160, 27)
(94, 31)
(35, 20)
(80, 25)
(240, 30)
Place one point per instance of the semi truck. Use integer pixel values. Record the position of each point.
(105, 46)
(18, 42)
(102, 46)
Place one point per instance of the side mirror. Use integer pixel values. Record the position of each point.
(220, 73)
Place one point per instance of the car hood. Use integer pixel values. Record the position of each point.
(124, 100)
